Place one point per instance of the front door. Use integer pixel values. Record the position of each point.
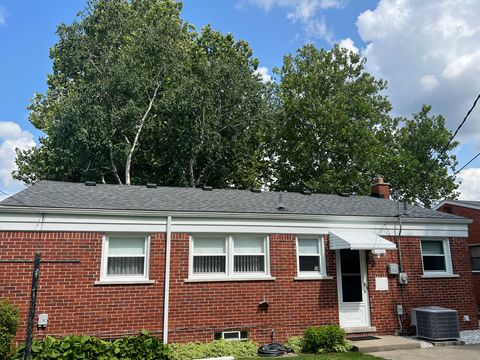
(352, 289)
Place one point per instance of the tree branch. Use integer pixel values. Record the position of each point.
(128, 162)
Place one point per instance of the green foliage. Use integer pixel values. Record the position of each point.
(326, 338)
(8, 328)
(89, 347)
(296, 343)
(217, 348)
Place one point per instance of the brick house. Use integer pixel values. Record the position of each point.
(471, 210)
(198, 264)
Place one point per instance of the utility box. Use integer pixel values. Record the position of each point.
(403, 278)
(393, 269)
(42, 320)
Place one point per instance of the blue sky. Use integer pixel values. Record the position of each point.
(429, 51)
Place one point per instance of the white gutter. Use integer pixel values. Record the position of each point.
(197, 214)
(166, 297)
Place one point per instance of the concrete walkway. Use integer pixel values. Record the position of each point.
(462, 352)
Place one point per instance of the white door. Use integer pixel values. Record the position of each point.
(353, 302)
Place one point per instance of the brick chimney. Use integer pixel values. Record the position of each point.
(380, 188)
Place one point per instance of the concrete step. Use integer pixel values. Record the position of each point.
(384, 343)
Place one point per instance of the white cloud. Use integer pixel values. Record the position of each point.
(11, 137)
(349, 45)
(429, 52)
(264, 75)
(469, 184)
(3, 15)
(308, 13)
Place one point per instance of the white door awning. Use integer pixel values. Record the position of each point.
(358, 240)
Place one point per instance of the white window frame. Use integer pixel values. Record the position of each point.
(470, 253)
(446, 253)
(322, 273)
(124, 279)
(230, 274)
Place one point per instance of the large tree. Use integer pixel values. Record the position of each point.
(334, 132)
(136, 95)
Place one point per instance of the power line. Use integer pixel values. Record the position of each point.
(458, 128)
(468, 163)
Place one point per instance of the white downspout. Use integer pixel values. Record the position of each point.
(166, 295)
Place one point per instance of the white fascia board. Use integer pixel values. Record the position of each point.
(27, 219)
(456, 203)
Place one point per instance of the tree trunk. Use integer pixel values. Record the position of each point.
(128, 162)
(113, 166)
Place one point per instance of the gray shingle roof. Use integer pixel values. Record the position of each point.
(53, 194)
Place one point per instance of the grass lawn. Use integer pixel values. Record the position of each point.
(340, 356)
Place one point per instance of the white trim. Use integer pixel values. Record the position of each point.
(319, 277)
(124, 282)
(123, 279)
(322, 271)
(231, 278)
(21, 219)
(230, 274)
(448, 272)
(166, 295)
(439, 276)
(459, 203)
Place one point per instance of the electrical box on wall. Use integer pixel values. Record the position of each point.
(403, 278)
(42, 320)
(392, 269)
(399, 310)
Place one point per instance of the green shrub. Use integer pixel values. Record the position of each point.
(88, 347)
(217, 348)
(327, 338)
(8, 328)
(296, 343)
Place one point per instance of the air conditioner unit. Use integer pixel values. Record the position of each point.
(436, 323)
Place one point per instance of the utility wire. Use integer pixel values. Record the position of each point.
(458, 128)
(468, 163)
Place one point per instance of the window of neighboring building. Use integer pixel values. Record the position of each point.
(475, 256)
(310, 256)
(436, 256)
(125, 257)
(229, 256)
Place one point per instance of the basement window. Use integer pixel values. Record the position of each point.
(125, 258)
(228, 257)
(436, 256)
(231, 335)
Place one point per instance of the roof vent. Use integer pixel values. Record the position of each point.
(344, 194)
(281, 205)
(207, 188)
(256, 190)
(90, 183)
(306, 192)
(151, 185)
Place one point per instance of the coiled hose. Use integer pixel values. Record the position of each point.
(273, 350)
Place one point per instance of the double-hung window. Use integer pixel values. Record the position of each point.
(436, 256)
(311, 257)
(475, 257)
(125, 258)
(228, 256)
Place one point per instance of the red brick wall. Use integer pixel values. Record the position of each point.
(75, 305)
(473, 235)
(199, 309)
(67, 291)
(454, 293)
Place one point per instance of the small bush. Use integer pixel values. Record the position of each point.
(327, 338)
(8, 328)
(88, 347)
(296, 343)
(217, 348)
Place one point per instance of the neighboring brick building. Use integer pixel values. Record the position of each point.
(471, 210)
(242, 264)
